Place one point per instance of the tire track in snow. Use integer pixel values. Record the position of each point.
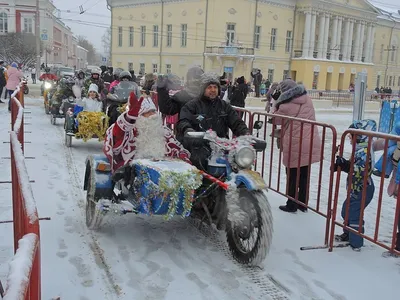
(78, 194)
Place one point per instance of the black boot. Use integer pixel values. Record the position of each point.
(344, 237)
(287, 208)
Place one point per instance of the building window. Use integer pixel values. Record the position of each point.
(378, 81)
(168, 68)
(120, 36)
(155, 35)
(393, 50)
(142, 68)
(390, 80)
(183, 35)
(3, 22)
(257, 34)
(285, 74)
(143, 36)
(288, 46)
(272, 45)
(131, 32)
(271, 75)
(230, 34)
(398, 81)
(169, 35)
(155, 68)
(28, 25)
(130, 66)
(381, 52)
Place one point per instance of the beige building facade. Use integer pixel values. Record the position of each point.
(323, 44)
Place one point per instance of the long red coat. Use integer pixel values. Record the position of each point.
(119, 145)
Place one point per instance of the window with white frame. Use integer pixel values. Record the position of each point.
(28, 25)
(271, 75)
(169, 35)
(183, 35)
(155, 35)
(288, 46)
(393, 56)
(130, 66)
(119, 36)
(272, 45)
(168, 68)
(381, 52)
(257, 34)
(142, 68)
(155, 68)
(3, 22)
(131, 35)
(398, 81)
(390, 80)
(230, 34)
(143, 36)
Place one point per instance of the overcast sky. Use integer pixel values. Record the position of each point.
(91, 23)
(97, 17)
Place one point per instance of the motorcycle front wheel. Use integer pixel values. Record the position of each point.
(250, 240)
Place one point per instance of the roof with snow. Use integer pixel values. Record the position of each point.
(388, 11)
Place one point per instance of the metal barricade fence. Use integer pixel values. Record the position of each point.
(376, 211)
(318, 198)
(25, 217)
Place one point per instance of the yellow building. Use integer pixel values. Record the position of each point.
(322, 44)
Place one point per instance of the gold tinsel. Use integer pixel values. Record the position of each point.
(91, 124)
(122, 108)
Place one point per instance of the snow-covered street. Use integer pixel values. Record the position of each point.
(137, 257)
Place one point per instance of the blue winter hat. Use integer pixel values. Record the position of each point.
(14, 65)
(367, 124)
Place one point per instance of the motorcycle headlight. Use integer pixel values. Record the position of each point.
(245, 156)
(47, 85)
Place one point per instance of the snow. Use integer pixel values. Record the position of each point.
(165, 165)
(20, 267)
(140, 257)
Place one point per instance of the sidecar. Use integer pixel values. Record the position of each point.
(59, 110)
(76, 125)
(150, 187)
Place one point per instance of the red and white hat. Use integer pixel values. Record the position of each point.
(147, 106)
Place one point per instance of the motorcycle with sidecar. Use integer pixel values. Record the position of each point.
(228, 192)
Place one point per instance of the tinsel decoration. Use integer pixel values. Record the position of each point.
(91, 124)
(175, 187)
(122, 108)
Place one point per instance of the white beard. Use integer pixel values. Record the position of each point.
(150, 140)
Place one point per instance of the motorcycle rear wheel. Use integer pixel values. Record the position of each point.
(264, 225)
(94, 217)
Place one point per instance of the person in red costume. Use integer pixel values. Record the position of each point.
(48, 76)
(139, 133)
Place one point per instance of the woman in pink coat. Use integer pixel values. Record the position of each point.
(13, 80)
(295, 102)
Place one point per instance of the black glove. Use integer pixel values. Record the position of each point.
(270, 120)
(343, 163)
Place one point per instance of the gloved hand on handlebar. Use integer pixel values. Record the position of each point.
(134, 106)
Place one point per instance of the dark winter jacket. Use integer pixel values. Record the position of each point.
(2, 78)
(171, 105)
(204, 114)
(239, 94)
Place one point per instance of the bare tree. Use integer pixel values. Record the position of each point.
(92, 56)
(19, 48)
(106, 40)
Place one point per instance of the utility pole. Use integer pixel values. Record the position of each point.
(37, 40)
(389, 49)
(254, 35)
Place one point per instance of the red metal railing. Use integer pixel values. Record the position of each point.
(25, 216)
(275, 174)
(380, 214)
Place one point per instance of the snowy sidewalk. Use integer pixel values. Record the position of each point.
(134, 257)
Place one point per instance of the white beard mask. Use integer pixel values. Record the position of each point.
(150, 140)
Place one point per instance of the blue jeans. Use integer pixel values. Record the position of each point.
(10, 92)
(354, 214)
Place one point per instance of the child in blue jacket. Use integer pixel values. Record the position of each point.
(355, 182)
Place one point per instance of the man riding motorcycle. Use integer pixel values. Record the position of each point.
(48, 78)
(206, 112)
(94, 78)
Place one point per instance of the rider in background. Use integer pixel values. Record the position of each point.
(94, 78)
(80, 78)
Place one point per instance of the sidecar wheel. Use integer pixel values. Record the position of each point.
(68, 140)
(53, 120)
(260, 231)
(94, 216)
(46, 109)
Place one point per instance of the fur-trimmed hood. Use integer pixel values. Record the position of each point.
(289, 95)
